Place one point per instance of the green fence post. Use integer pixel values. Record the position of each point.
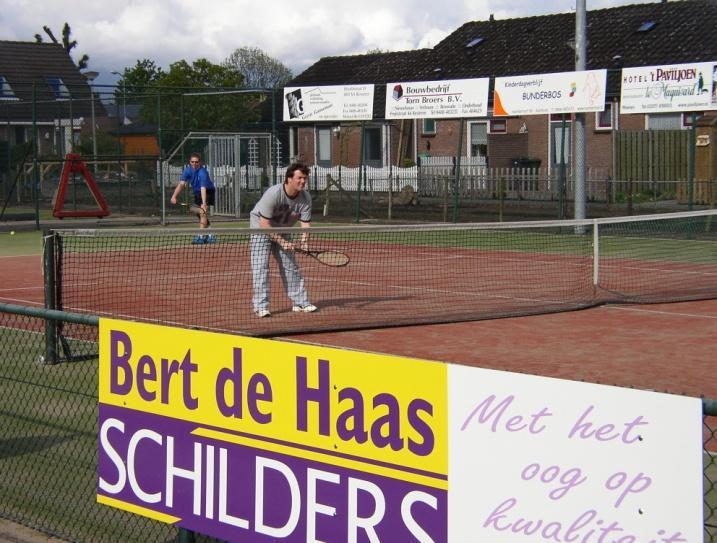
(691, 164)
(457, 180)
(358, 187)
(163, 209)
(562, 181)
(186, 536)
(35, 162)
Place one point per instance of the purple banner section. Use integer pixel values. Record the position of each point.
(246, 494)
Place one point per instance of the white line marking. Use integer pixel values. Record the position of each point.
(21, 301)
(668, 313)
(20, 288)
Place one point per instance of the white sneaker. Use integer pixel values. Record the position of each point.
(308, 308)
(261, 313)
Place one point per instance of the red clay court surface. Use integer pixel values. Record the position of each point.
(662, 347)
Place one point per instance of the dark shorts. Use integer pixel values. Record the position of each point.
(210, 198)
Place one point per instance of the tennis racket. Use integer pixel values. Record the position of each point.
(335, 259)
(194, 209)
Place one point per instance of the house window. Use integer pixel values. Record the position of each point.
(429, 126)
(20, 135)
(58, 88)
(474, 42)
(603, 119)
(687, 118)
(372, 146)
(6, 92)
(479, 139)
(646, 26)
(664, 121)
(498, 126)
(323, 146)
(560, 142)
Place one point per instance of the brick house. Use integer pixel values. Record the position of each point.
(63, 97)
(635, 35)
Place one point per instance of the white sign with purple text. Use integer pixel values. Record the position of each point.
(536, 459)
(669, 88)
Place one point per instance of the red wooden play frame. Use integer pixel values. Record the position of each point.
(75, 164)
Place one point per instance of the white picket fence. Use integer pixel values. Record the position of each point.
(435, 178)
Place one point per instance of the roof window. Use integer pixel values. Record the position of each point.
(58, 87)
(6, 92)
(474, 42)
(647, 26)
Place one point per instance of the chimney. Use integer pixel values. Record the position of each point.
(491, 18)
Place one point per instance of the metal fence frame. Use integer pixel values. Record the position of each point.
(20, 468)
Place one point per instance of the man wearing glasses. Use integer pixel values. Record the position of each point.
(203, 187)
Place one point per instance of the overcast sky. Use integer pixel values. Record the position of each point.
(116, 33)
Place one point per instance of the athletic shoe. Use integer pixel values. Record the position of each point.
(210, 239)
(198, 240)
(261, 313)
(308, 308)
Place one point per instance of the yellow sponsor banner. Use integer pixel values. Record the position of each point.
(137, 510)
(362, 406)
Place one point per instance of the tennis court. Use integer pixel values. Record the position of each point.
(398, 276)
(432, 294)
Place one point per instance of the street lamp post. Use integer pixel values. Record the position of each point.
(124, 98)
(91, 76)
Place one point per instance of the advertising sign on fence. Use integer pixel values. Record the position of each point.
(254, 440)
(567, 92)
(329, 103)
(437, 99)
(669, 88)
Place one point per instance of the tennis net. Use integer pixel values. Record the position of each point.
(397, 276)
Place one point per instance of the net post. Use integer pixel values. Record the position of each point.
(48, 262)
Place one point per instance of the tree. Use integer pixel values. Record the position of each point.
(193, 97)
(260, 71)
(135, 82)
(68, 43)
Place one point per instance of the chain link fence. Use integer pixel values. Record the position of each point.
(48, 447)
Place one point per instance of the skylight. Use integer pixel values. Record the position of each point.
(58, 88)
(6, 92)
(474, 42)
(647, 26)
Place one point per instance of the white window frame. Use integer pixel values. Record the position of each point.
(427, 132)
(472, 125)
(672, 115)
(317, 147)
(687, 118)
(613, 121)
(552, 125)
(493, 130)
(374, 129)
